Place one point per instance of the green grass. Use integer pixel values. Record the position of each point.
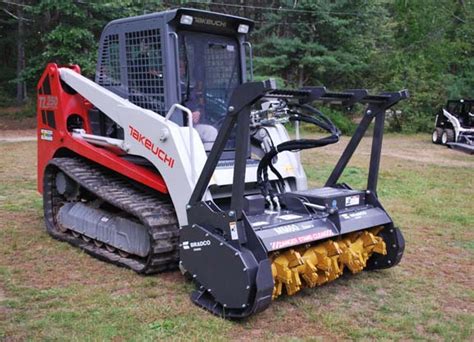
(26, 110)
(51, 291)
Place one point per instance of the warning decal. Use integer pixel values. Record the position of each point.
(47, 135)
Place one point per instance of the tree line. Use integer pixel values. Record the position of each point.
(425, 46)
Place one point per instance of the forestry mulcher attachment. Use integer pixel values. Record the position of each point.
(172, 159)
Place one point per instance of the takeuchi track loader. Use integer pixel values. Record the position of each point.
(172, 158)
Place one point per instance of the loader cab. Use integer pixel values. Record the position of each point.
(187, 56)
(462, 109)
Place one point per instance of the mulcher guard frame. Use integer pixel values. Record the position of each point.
(227, 252)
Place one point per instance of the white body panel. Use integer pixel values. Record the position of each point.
(287, 164)
(166, 138)
(170, 148)
(458, 129)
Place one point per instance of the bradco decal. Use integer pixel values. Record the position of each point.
(196, 245)
(47, 102)
(162, 155)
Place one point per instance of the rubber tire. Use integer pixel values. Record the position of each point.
(436, 136)
(447, 136)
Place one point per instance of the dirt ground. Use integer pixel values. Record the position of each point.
(11, 123)
(17, 135)
(50, 290)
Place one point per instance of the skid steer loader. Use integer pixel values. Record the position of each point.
(172, 158)
(454, 126)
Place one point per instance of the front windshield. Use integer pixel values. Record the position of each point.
(210, 71)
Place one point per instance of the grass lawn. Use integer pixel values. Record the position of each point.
(50, 290)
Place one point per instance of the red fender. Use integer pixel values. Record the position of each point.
(54, 106)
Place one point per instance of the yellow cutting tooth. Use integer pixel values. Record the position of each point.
(315, 265)
(294, 258)
(356, 247)
(284, 273)
(323, 277)
(277, 289)
(309, 273)
(295, 285)
(324, 263)
(368, 239)
(335, 271)
(380, 247)
(332, 248)
(352, 260)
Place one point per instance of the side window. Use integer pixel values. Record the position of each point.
(458, 109)
(467, 113)
(450, 107)
(467, 108)
(186, 66)
(109, 67)
(145, 69)
(222, 68)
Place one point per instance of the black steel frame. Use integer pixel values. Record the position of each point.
(247, 94)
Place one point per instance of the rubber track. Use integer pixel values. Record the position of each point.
(157, 214)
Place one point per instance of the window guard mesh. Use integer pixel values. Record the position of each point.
(145, 69)
(109, 70)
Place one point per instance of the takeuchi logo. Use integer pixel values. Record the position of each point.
(211, 22)
(150, 145)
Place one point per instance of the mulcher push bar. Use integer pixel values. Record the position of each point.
(248, 94)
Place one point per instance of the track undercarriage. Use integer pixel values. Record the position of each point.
(88, 189)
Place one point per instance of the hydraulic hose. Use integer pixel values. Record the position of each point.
(318, 119)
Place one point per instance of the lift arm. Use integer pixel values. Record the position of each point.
(149, 135)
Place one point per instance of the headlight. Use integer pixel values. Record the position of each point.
(186, 20)
(243, 28)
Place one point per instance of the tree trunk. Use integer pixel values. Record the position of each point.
(20, 63)
(301, 77)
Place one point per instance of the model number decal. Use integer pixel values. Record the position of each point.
(149, 145)
(47, 102)
(286, 229)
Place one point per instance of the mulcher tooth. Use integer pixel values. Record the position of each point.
(295, 285)
(324, 263)
(277, 290)
(284, 270)
(309, 273)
